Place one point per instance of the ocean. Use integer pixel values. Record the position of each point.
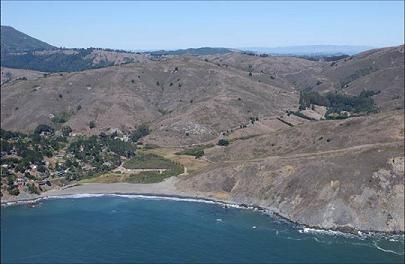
(122, 229)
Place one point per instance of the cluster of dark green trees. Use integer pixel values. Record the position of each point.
(140, 132)
(197, 152)
(102, 153)
(52, 62)
(336, 103)
(30, 148)
(19, 151)
(223, 142)
(85, 156)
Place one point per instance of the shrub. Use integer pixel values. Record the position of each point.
(223, 142)
(197, 152)
(43, 128)
(41, 168)
(92, 124)
(60, 118)
(32, 188)
(66, 130)
(29, 176)
(13, 191)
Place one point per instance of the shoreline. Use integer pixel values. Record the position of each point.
(166, 190)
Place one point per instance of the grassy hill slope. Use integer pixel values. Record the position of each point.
(13, 41)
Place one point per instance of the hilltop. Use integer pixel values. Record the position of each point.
(20, 51)
(14, 41)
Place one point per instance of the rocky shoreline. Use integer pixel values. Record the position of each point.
(167, 190)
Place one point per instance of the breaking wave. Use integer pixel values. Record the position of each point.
(318, 235)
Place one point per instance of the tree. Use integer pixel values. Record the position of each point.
(66, 130)
(13, 191)
(223, 142)
(32, 188)
(141, 131)
(43, 128)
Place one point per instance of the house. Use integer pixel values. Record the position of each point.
(21, 182)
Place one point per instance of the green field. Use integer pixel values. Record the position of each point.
(148, 161)
(155, 176)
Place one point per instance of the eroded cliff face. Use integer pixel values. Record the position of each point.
(359, 187)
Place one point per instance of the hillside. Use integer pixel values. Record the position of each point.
(188, 99)
(68, 60)
(14, 41)
(374, 70)
(332, 174)
(174, 96)
(20, 51)
(10, 75)
(345, 173)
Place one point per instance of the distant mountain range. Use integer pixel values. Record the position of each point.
(310, 50)
(21, 51)
(194, 51)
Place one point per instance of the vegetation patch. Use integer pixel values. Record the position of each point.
(105, 178)
(140, 132)
(223, 142)
(60, 118)
(338, 104)
(196, 152)
(148, 161)
(299, 114)
(155, 176)
(244, 138)
(53, 62)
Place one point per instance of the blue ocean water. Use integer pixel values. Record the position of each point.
(115, 229)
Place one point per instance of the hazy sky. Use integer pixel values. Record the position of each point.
(169, 25)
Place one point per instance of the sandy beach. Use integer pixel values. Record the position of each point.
(164, 188)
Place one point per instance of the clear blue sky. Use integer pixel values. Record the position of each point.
(169, 25)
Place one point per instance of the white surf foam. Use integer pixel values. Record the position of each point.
(388, 250)
(148, 197)
(74, 196)
(306, 230)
